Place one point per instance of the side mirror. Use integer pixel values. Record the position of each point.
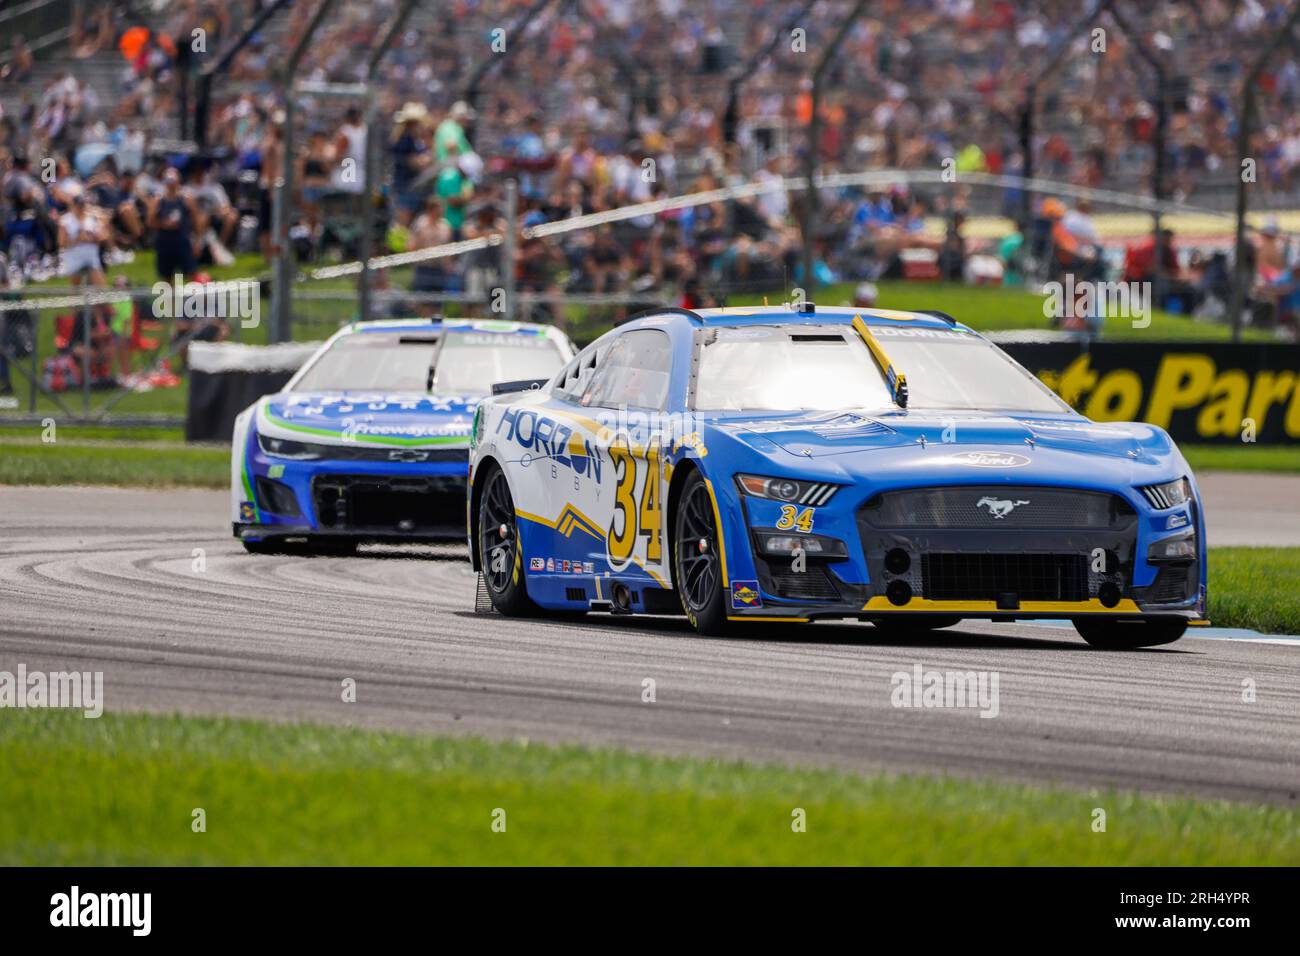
(900, 391)
(519, 385)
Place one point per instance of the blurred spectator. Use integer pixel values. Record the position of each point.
(483, 266)
(80, 233)
(431, 228)
(411, 157)
(1270, 253)
(219, 217)
(19, 67)
(449, 138)
(175, 220)
(454, 188)
(349, 154)
(27, 224)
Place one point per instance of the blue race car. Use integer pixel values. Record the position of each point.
(369, 440)
(760, 464)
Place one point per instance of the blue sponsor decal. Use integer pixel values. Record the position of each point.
(542, 437)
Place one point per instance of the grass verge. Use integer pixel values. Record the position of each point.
(158, 457)
(121, 790)
(1244, 457)
(1255, 588)
(101, 433)
(29, 461)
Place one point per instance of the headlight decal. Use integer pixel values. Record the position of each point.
(288, 448)
(1171, 494)
(792, 491)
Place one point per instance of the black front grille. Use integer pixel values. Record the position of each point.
(991, 577)
(810, 584)
(1170, 586)
(395, 505)
(996, 508)
(277, 498)
(359, 451)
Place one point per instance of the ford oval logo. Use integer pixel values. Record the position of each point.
(991, 459)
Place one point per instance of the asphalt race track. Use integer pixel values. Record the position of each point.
(96, 579)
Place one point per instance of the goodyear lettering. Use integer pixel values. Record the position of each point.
(547, 438)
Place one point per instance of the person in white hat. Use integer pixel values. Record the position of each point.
(451, 131)
(411, 157)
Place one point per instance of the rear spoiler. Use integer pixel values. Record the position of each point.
(518, 385)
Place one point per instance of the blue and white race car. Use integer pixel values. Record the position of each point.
(761, 464)
(368, 441)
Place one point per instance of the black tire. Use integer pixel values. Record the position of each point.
(500, 559)
(904, 624)
(697, 570)
(318, 547)
(265, 546)
(330, 547)
(1118, 635)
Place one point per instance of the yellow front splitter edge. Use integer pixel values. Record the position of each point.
(880, 603)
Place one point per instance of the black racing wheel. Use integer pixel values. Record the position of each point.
(697, 560)
(1113, 634)
(499, 553)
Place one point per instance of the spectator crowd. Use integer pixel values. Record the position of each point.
(596, 104)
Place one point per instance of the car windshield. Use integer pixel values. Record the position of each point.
(468, 363)
(472, 362)
(829, 367)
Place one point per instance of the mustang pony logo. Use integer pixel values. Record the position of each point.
(999, 507)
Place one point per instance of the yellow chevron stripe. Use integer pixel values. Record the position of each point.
(569, 518)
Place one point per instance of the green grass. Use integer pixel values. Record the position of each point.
(67, 461)
(996, 308)
(1255, 588)
(158, 457)
(122, 433)
(121, 790)
(1243, 457)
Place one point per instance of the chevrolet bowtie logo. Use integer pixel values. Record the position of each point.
(408, 454)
